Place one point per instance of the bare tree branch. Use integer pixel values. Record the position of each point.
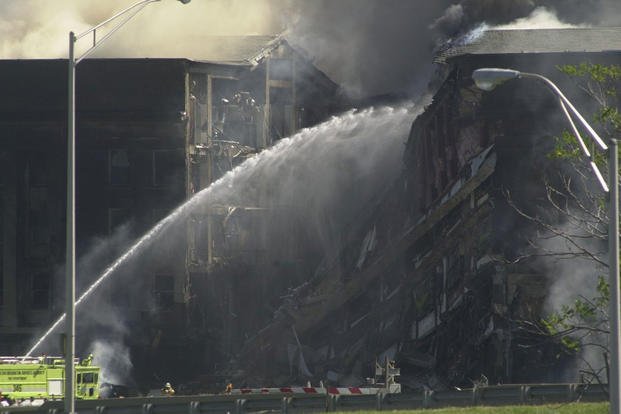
(563, 235)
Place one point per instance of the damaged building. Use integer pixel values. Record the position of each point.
(150, 133)
(429, 276)
(426, 275)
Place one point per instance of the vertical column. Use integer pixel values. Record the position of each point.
(613, 246)
(70, 252)
(209, 166)
(9, 235)
(188, 139)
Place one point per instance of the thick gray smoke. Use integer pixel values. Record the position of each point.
(370, 46)
(93, 257)
(114, 359)
(573, 275)
(382, 46)
(463, 16)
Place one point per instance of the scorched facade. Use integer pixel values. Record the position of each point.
(150, 134)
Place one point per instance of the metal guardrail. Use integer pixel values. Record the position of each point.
(298, 403)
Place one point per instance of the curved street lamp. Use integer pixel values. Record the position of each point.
(487, 79)
(126, 15)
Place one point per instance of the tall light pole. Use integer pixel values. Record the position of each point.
(487, 79)
(127, 14)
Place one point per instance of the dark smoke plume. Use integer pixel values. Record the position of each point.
(382, 46)
(467, 14)
(370, 46)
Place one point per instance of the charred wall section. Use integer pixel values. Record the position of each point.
(128, 114)
(433, 275)
(150, 134)
(236, 269)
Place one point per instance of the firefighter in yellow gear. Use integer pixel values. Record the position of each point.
(87, 361)
(168, 389)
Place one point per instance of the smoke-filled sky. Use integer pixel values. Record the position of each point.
(369, 46)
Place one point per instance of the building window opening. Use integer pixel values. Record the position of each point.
(116, 218)
(167, 168)
(281, 113)
(1, 250)
(238, 119)
(1, 283)
(41, 290)
(37, 170)
(164, 291)
(118, 167)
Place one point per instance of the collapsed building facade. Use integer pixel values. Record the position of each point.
(151, 133)
(429, 276)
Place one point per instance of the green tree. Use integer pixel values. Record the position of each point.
(581, 218)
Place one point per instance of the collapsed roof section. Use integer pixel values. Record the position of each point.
(243, 50)
(249, 50)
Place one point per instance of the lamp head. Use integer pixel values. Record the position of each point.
(488, 78)
(185, 1)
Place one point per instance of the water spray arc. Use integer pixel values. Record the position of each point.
(139, 245)
(316, 152)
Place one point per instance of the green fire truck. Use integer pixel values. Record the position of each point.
(44, 378)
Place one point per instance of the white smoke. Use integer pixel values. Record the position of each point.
(572, 276)
(540, 18)
(114, 360)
